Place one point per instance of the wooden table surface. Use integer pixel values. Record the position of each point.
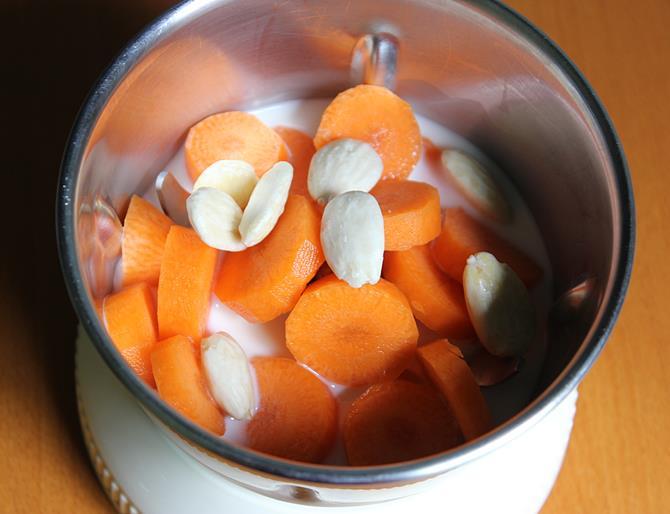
(620, 450)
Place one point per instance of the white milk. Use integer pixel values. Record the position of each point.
(504, 399)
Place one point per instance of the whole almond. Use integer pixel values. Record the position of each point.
(477, 185)
(343, 165)
(237, 178)
(352, 237)
(215, 216)
(228, 375)
(266, 203)
(499, 306)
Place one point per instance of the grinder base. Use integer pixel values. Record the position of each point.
(142, 471)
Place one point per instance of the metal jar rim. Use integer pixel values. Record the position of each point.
(315, 473)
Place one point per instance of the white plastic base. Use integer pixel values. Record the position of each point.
(142, 471)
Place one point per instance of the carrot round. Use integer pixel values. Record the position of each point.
(130, 319)
(437, 301)
(300, 152)
(297, 415)
(463, 236)
(144, 232)
(352, 336)
(398, 421)
(266, 280)
(411, 213)
(182, 384)
(379, 117)
(446, 368)
(232, 135)
(185, 284)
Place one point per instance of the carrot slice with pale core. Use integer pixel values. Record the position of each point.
(352, 336)
(130, 319)
(185, 284)
(411, 213)
(145, 229)
(232, 135)
(182, 384)
(437, 300)
(463, 236)
(297, 415)
(379, 117)
(266, 280)
(446, 368)
(398, 421)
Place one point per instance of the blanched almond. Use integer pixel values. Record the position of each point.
(475, 183)
(341, 166)
(228, 374)
(215, 216)
(352, 237)
(499, 306)
(237, 178)
(266, 203)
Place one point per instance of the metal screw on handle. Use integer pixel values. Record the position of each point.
(374, 60)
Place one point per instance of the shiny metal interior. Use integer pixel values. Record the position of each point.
(473, 66)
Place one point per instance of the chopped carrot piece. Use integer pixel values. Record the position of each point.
(379, 117)
(266, 280)
(411, 211)
(185, 284)
(232, 135)
(352, 336)
(182, 384)
(130, 318)
(437, 301)
(144, 232)
(398, 421)
(446, 368)
(297, 415)
(300, 152)
(463, 236)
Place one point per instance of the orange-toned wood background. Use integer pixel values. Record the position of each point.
(619, 455)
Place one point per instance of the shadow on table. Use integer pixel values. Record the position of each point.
(53, 52)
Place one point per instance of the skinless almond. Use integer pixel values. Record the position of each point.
(266, 203)
(352, 237)
(215, 216)
(499, 306)
(228, 374)
(341, 166)
(476, 185)
(237, 178)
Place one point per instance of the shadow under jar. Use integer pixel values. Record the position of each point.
(473, 66)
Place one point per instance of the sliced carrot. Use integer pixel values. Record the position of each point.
(352, 336)
(232, 135)
(398, 421)
(437, 301)
(446, 368)
(185, 284)
(130, 319)
(411, 211)
(377, 116)
(463, 236)
(297, 415)
(414, 372)
(300, 152)
(266, 280)
(182, 384)
(144, 231)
